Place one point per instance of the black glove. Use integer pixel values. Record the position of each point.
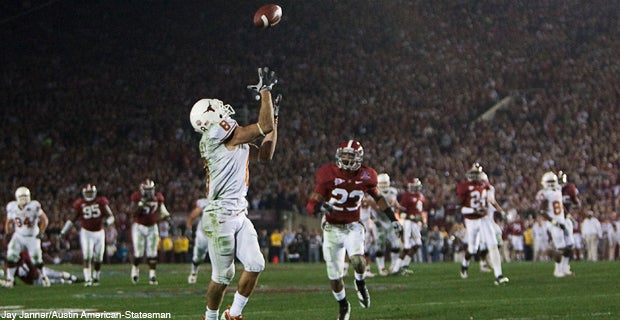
(266, 80)
(41, 236)
(188, 232)
(398, 228)
(323, 209)
(276, 106)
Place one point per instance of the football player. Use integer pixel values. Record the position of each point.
(572, 203)
(489, 244)
(94, 213)
(367, 212)
(337, 196)
(387, 239)
(148, 209)
(416, 206)
(226, 149)
(200, 240)
(515, 229)
(475, 194)
(26, 222)
(549, 200)
(31, 275)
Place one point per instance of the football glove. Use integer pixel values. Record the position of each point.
(40, 236)
(398, 228)
(266, 80)
(323, 209)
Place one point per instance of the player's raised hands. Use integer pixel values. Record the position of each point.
(266, 80)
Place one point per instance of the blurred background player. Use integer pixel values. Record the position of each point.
(387, 239)
(338, 194)
(415, 207)
(515, 230)
(549, 200)
(148, 209)
(94, 214)
(201, 245)
(31, 275)
(572, 203)
(26, 223)
(475, 195)
(367, 212)
(226, 149)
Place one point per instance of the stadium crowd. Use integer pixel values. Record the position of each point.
(105, 100)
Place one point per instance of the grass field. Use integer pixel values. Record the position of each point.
(301, 291)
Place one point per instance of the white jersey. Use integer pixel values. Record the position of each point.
(26, 220)
(227, 170)
(391, 196)
(555, 208)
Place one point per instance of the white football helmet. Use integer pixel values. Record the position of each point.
(89, 192)
(474, 173)
(383, 182)
(349, 147)
(414, 186)
(147, 188)
(549, 180)
(22, 195)
(208, 111)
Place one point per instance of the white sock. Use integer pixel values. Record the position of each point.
(380, 263)
(10, 273)
(359, 276)
(195, 268)
(211, 314)
(396, 265)
(339, 295)
(87, 274)
(96, 274)
(238, 304)
(151, 273)
(406, 261)
(394, 256)
(495, 261)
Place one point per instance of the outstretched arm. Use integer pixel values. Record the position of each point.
(265, 124)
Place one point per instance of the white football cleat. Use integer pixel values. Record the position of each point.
(192, 278)
(383, 272)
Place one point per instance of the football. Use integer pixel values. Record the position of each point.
(267, 16)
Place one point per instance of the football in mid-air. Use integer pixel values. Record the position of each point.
(267, 16)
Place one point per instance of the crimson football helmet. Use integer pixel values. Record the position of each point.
(414, 185)
(208, 111)
(474, 173)
(22, 195)
(89, 192)
(147, 188)
(349, 155)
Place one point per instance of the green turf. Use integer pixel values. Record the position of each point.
(301, 291)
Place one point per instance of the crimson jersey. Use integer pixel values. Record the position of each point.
(473, 194)
(569, 195)
(344, 190)
(150, 212)
(25, 270)
(91, 213)
(516, 228)
(415, 205)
